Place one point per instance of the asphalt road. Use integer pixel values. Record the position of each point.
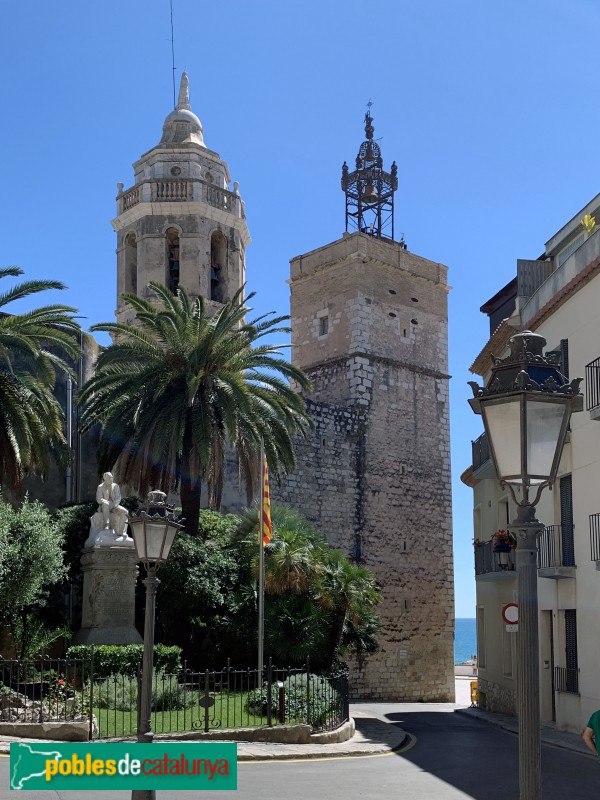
(448, 757)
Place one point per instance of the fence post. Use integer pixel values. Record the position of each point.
(269, 693)
(91, 711)
(206, 701)
(308, 703)
(346, 696)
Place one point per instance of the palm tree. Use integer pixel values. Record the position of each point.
(178, 385)
(31, 418)
(325, 602)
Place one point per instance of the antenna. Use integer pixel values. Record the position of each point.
(173, 53)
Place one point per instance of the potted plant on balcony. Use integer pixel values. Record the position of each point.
(502, 543)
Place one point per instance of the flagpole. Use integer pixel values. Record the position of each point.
(261, 565)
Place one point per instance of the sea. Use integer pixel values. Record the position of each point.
(465, 639)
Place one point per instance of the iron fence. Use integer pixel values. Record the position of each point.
(480, 451)
(592, 384)
(595, 536)
(487, 560)
(566, 680)
(556, 547)
(188, 700)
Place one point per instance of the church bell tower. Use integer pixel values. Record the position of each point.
(179, 223)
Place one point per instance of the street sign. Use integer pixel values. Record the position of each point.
(510, 613)
(512, 628)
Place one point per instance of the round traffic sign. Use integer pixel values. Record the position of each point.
(510, 613)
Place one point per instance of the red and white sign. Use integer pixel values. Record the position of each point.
(510, 613)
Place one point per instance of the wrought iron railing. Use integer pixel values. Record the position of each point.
(592, 384)
(556, 547)
(595, 536)
(480, 450)
(47, 690)
(566, 680)
(487, 560)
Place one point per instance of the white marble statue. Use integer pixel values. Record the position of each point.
(108, 526)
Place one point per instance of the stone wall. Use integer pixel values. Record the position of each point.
(378, 485)
(497, 698)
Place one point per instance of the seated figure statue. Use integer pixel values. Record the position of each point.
(108, 495)
(108, 526)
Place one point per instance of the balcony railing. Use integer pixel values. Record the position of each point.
(566, 680)
(555, 547)
(480, 449)
(181, 191)
(487, 561)
(595, 536)
(592, 384)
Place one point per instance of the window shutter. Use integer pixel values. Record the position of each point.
(566, 521)
(564, 357)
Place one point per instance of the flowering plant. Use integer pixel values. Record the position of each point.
(504, 537)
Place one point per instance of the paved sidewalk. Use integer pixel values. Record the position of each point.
(372, 737)
(568, 741)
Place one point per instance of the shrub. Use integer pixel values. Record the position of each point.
(323, 700)
(120, 693)
(126, 659)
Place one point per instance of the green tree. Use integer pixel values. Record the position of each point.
(320, 604)
(32, 347)
(178, 385)
(31, 560)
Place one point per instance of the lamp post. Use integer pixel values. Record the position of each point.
(154, 529)
(526, 407)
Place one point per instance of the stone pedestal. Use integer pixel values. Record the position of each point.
(109, 576)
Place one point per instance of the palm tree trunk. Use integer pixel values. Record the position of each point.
(336, 633)
(190, 504)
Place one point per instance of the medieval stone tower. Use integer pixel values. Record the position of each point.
(179, 223)
(369, 326)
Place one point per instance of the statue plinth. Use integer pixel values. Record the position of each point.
(109, 577)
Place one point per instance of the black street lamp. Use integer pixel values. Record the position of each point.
(154, 528)
(526, 407)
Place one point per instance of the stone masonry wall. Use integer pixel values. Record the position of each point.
(378, 486)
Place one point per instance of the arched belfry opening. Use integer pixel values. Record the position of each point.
(369, 189)
(218, 267)
(172, 247)
(131, 263)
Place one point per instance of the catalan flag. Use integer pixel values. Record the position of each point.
(265, 505)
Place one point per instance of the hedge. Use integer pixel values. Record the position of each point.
(125, 659)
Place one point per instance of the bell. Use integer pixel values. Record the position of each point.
(370, 195)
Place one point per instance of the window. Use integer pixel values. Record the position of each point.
(218, 266)
(172, 243)
(564, 357)
(323, 326)
(130, 263)
(566, 521)
(571, 650)
(503, 514)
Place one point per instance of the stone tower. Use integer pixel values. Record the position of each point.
(369, 327)
(179, 223)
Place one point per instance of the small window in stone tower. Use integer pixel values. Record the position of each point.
(218, 264)
(130, 263)
(324, 326)
(172, 242)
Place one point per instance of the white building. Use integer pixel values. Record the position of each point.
(557, 296)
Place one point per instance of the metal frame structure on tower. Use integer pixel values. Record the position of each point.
(369, 189)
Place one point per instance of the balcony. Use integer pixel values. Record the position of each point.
(483, 466)
(566, 680)
(592, 388)
(180, 191)
(488, 565)
(556, 553)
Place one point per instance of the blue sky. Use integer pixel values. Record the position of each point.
(489, 109)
